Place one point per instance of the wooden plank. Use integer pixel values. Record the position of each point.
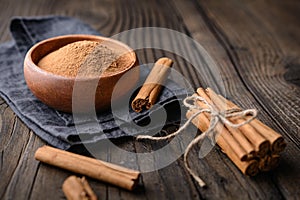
(48, 182)
(7, 119)
(12, 149)
(25, 171)
(172, 181)
(221, 170)
(117, 153)
(262, 65)
(225, 52)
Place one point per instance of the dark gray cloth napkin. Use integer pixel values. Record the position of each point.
(57, 128)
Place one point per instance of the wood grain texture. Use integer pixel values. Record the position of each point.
(255, 44)
(253, 69)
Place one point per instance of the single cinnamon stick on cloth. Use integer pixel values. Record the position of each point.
(97, 169)
(76, 188)
(150, 90)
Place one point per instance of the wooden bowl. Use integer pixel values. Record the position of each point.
(57, 92)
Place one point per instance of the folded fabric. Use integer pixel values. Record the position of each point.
(58, 128)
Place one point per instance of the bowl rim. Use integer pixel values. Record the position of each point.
(29, 62)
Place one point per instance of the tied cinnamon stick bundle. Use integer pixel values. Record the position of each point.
(211, 126)
(97, 169)
(277, 143)
(76, 188)
(252, 147)
(249, 168)
(150, 90)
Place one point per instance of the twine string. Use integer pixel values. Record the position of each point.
(216, 116)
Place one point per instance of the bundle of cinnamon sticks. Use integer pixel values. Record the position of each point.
(252, 147)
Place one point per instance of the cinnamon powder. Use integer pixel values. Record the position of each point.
(84, 58)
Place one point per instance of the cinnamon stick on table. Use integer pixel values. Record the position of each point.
(97, 169)
(76, 188)
(150, 90)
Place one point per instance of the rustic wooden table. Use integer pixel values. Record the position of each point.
(256, 45)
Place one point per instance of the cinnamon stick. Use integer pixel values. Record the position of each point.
(260, 143)
(150, 90)
(100, 170)
(76, 188)
(277, 141)
(268, 162)
(249, 167)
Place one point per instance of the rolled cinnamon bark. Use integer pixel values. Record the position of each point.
(277, 142)
(268, 162)
(93, 168)
(260, 143)
(76, 188)
(151, 89)
(249, 167)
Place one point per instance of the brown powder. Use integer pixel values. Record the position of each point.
(83, 58)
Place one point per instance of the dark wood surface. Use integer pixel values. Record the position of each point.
(256, 46)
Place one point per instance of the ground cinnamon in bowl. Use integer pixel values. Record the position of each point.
(52, 67)
(84, 58)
